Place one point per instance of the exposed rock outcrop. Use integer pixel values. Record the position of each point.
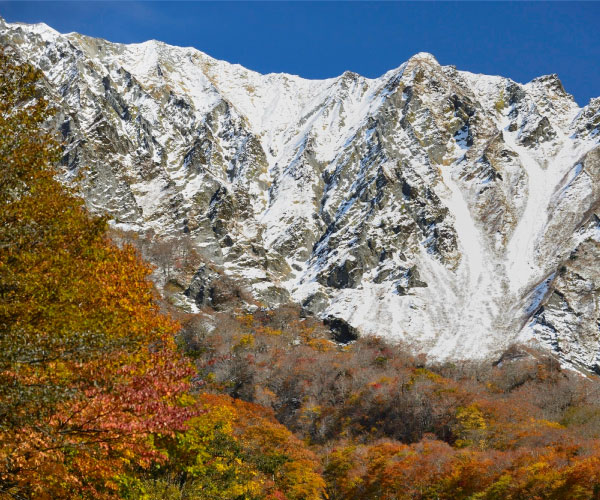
(456, 212)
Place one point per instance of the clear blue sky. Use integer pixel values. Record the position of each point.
(323, 39)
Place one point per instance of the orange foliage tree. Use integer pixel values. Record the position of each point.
(432, 470)
(88, 366)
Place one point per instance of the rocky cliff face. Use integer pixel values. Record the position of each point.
(453, 211)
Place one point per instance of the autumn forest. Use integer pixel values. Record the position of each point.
(109, 391)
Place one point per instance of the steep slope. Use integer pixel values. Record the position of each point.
(454, 211)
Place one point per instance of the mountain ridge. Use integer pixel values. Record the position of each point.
(455, 212)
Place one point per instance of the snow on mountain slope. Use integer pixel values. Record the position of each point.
(456, 212)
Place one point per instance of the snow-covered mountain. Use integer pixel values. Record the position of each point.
(453, 211)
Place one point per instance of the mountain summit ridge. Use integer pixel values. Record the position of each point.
(455, 212)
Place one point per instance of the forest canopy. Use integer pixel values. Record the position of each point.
(104, 396)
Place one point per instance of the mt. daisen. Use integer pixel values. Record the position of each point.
(458, 213)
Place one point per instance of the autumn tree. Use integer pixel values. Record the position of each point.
(88, 367)
(233, 451)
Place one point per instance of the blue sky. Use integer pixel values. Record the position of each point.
(520, 40)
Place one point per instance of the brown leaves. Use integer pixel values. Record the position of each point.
(434, 470)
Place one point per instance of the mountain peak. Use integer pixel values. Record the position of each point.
(424, 56)
(453, 211)
(41, 29)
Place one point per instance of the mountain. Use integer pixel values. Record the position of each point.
(455, 212)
